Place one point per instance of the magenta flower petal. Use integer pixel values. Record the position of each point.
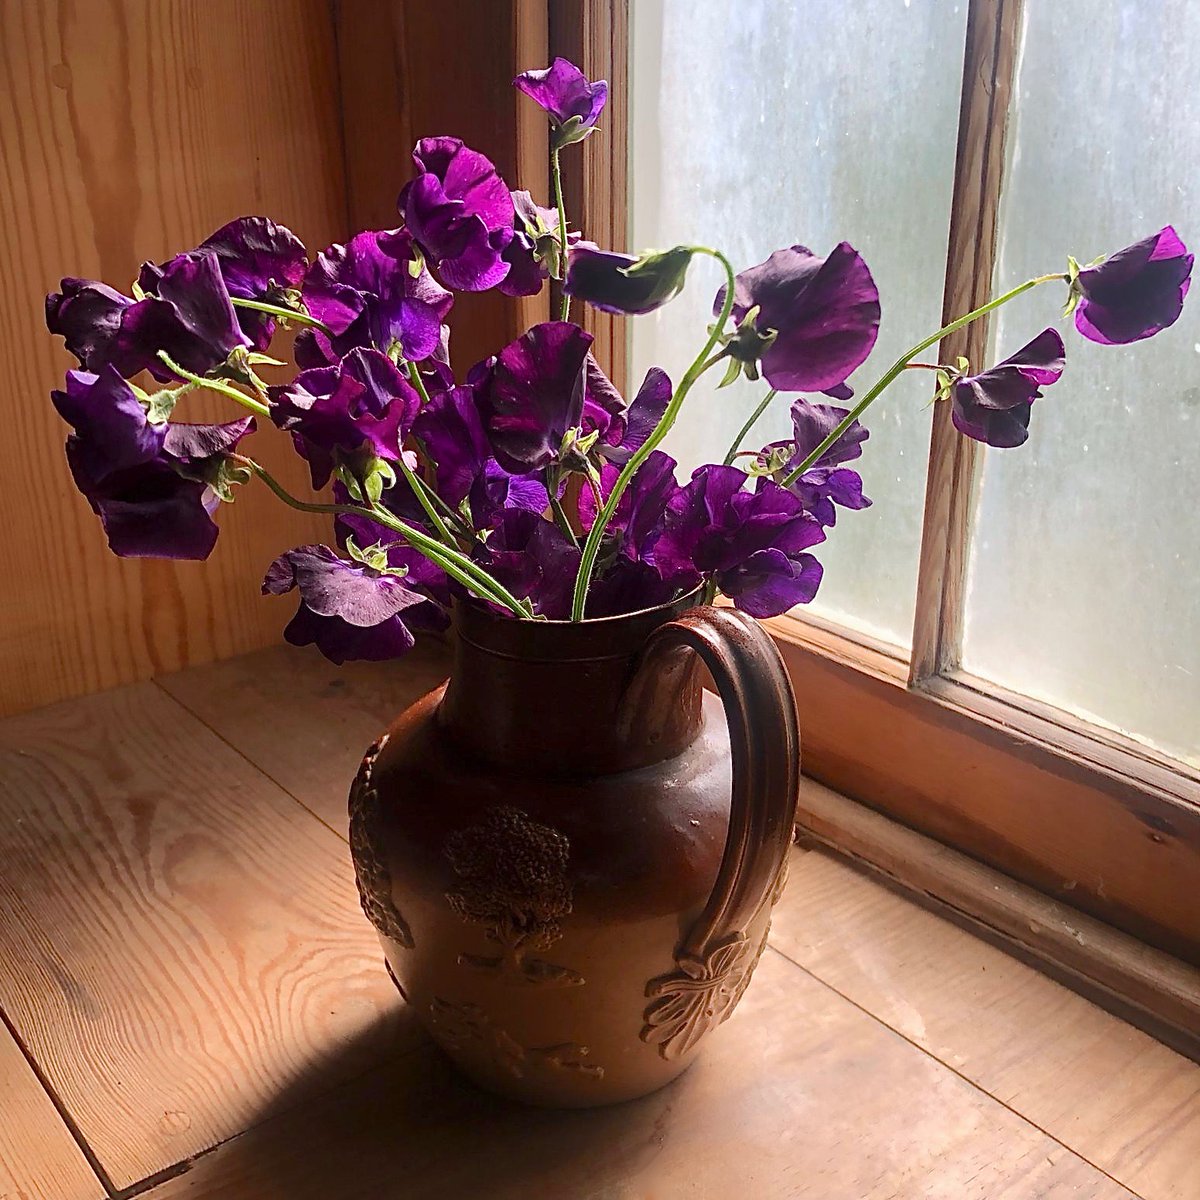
(533, 393)
(824, 313)
(995, 406)
(563, 91)
(1135, 293)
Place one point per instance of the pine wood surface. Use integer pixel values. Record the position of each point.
(1122, 1100)
(38, 1156)
(129, 130)
(184, 958)
(181, 939)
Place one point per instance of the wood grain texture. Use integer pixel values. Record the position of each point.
(993, 30)
(182, 941)
(798, 1094)
(129, 130)
(38, 1157)
(595, 35)
(303, 721)
(1001, 786)
(1145, 986)
(411, 69)
(1120, 1099)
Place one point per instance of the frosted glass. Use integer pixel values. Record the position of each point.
(760, 124)
(1085, 574)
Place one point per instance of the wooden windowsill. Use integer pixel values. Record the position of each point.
(194, 1005)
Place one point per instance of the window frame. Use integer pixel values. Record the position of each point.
(1083, 815)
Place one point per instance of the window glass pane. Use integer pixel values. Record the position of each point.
(1085, 566)
(759, 124)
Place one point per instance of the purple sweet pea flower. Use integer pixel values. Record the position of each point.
(460, 212)
(450, 430)
(752, 543)
(532, 393)
(825, 484)
(534, 559)
(150, 485)
(638, 520)
(259, 260)
(573, 102)
(533, 253)
(349, 610)
(367, 294)
(622, 426)
(994, 406)
(87, 315)
(815, 319)
(186, 312)
(621, 283)
(361, 409)
(1135, 293)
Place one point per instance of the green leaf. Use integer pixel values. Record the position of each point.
(256, 359)
(569, 132)
(732, 371)
(225, 475)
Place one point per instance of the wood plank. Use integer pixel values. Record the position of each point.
(798, 1094)
(129, 130)
(1120, 1099)
(395, 55)
(303, 721)
(38, 1156)
(1143, 985)
(993, 782)
(993, 30)
(182, 940)
(595, 36)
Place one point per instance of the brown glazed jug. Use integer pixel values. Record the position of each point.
(571, 852)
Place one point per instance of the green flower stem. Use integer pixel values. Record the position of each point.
(703, 361)
(734, 449)
(902, 362)
(422, 492)
(556, 174)
(561, 518)
(473, 577)
(415, 379)
(284, 314)
(215, 385)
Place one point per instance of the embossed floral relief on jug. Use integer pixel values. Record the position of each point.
(571, 851)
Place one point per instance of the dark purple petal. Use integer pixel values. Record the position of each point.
(824, 312)
(628, 586)
(1135, 293)
(608, 281)
(349, 610)
(642, 417)
(642, 509)
(564, 92)
(87, 315)
(813, 423)
(259, 260)
(361, 408)
(451, 431)
(768, 583)
(111, 430)
(533, 393)
(536, 237)
(367, 294)
(533, 559)
(821, 489)
(193, 447)
(995, 406)
(460, 212)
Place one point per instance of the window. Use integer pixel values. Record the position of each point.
(960, 671)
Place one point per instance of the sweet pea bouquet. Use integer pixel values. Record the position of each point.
(527, 483)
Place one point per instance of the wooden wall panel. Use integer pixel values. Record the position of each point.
(129, 129)
(411, 69)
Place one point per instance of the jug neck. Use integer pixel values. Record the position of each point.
(567, 697)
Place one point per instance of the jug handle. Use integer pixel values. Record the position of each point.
(764, 741)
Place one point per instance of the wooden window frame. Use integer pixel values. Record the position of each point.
(1080, 814)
